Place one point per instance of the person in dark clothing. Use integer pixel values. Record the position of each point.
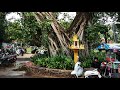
(96, 63)
(22, 51)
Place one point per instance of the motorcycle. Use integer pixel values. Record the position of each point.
(7, 58)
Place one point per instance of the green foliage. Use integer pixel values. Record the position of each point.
(45, 27)
(28, 30)
(65, 24)
(2, 27)
(86, 61)
(57, 62)
(92, 34)
(14, 31)
(65, 21)
(63, 62)
(30, 27)
(35, 33)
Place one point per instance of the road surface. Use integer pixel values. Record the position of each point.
(8, 72)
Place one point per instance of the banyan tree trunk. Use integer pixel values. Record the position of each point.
(59, 39)
(78, 26)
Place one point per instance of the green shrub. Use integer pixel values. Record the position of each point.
(64, 62)
(57, 62)
(86, 61)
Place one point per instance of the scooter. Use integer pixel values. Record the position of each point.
(7, 58)
(92, 74)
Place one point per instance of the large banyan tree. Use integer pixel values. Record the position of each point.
(59, 39)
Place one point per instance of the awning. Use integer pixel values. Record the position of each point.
(113, 46)
(103, 46)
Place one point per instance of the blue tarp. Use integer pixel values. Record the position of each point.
(103, 46)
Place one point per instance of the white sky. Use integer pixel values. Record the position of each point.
(71, 15)
(14, 16)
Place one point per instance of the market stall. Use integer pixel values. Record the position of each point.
(111, 59)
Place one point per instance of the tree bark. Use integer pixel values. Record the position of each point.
(78, 26)
(61, 38)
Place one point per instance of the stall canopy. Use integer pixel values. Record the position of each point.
(104, 46)
(114, 46)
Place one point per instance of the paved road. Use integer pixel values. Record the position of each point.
(7, 72)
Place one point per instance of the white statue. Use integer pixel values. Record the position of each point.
(78, 70)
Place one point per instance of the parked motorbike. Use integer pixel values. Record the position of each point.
(7, 58)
